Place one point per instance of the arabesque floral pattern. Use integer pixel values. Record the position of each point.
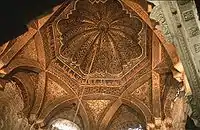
(100, 37)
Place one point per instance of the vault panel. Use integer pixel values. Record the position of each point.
(97, 42)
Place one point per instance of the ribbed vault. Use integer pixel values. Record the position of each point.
(98, 60)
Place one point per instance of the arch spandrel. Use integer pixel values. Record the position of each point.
(126, 118)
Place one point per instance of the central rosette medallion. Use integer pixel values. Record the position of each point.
(103, 26)
(100, 37)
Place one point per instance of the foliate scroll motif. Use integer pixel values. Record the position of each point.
(156, 103)
(29, 51)
(188, 15)
(11, 106)
(100, 37)
(13, 94)
(193, 31)
(97, 107)
(54, 91)
(169, 101)
(183, 2)
(126, 118)
(143, 93)
(197, 47)
(97, 1)
(157, 15)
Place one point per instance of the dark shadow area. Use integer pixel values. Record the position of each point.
(16, 14)
(190, 125)
(197, 2)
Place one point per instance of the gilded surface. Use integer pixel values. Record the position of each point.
(97, 63)
(100, 38)
(125, 118)
(54, 91)
(98, 41)
(97, 107)
(144, 93)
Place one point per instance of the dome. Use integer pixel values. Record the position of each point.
(100, 37)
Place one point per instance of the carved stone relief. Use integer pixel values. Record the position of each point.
(183, 24)
(97, 107)
(157, 15)
(11, 106)
(183, 2)
(29, 51)
(97, 43)
(126, 118)
(54, 91)
(144, 93)
(98, 55)
(100, 41)
(179, 114)
(188, 15)
(197, 48)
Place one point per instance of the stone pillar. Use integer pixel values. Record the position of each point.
(179, 115)
(181, 27)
